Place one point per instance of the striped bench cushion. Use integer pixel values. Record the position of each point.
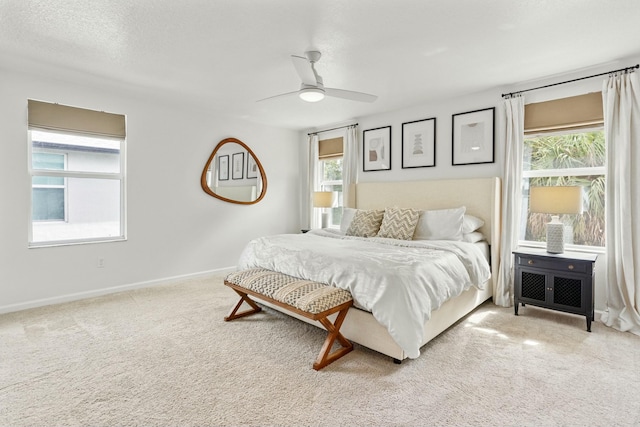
(306, 295)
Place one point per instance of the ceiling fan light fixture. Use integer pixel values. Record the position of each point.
(311, 94)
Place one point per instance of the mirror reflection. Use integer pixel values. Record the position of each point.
(234, 174)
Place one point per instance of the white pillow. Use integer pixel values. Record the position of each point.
(473, 237)
(442, 224)
(471, 223)
(347, 217)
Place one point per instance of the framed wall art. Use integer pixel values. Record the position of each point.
(237, 166)
(376, 150)
(223, 168)
(419, 143)
(252, 167)
(473, 139)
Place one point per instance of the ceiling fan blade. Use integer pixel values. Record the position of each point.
(282, 95)
(304, 70)
(349, 94)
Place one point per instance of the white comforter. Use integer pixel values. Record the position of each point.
(399, 282)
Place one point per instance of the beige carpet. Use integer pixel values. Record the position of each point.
(164, 356)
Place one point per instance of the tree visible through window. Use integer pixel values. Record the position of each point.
(566, 159)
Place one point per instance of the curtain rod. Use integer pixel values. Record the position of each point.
(627, 69)
(327, 130)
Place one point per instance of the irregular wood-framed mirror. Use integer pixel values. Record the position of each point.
(234, 174)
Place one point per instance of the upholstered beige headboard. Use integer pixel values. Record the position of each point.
(481, 196)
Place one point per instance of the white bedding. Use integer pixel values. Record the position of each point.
(399, 282)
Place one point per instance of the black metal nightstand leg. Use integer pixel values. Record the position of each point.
(588, 324)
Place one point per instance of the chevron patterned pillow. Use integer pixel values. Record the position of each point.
(365, 223)
(399, 223)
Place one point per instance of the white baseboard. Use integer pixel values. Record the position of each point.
(105, 291)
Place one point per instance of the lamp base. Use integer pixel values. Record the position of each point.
(325, 220)
(555, 236)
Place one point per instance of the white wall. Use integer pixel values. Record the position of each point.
(442, 111)
(174, 228)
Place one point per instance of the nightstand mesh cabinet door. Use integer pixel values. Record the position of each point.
(567, 291)
(533, 286)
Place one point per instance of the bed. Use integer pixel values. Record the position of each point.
(363, 324)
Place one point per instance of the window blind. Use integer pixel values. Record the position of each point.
(330, 148)
(576, 112)
(56, 117)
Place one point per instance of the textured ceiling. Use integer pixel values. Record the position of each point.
(223, 55)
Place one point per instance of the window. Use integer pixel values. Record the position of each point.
(329, 170)
(567, 159)
(331, 180)
(77, 179)
(567, 152)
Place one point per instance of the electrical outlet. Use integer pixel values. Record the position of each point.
(100, 263)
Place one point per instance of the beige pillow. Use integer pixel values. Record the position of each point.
(399, 223)
(365, 223)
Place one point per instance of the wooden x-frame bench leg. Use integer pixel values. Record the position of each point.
(255, 308)
(325, 356)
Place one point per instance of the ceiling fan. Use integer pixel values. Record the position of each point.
(312, 88)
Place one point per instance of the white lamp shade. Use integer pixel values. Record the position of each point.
(555, 200)
(323, 199)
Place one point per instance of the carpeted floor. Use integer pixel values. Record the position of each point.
(164, 356)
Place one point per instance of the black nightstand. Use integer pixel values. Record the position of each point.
(561, 282)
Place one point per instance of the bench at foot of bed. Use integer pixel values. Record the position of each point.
(313, 300)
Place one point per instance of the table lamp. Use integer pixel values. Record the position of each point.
(323, 199)
(555, 201)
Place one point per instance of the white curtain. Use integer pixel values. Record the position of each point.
(349, 165)
(511, 198)
(621, 102)
(312, 182)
